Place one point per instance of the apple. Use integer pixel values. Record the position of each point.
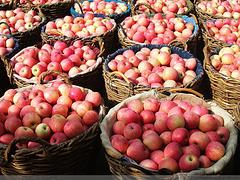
(57, 123)
(73, 128)
(180, 135)
(188, 162)
(137, 151)
(149, 164)
(215, 151)
(173, 150)
(58, 138)
(175, 121)
(168, 163)
(43, 131)
(12, 123)
(31, 120)
(153, 142)
(132, 131)
(199, 138)
(23, 131)
(119, 143)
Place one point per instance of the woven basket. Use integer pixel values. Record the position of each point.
(109, 38)
(208, 37)
(122, 165)
(89, 78)
(192, 42)
(119, 89)
(6, 6)
(236, 114)
(225, 90)
(117, 17)
(135, 7)
(31, 36)
(70, 157)
(51, 11)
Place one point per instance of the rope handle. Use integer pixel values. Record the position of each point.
(187, 90)
(136, 8)
(44, 74)
(117, 73)
(9, 29)
(79, 5)
(177, 42)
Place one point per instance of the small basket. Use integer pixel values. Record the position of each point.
(51, 11)
(135, 7)
(117, 17)
(85, 78)
(109, 38)
(191, 43)
(31, 36)
(70, 157)
(119, 89)
(225, 90)
(122, 165)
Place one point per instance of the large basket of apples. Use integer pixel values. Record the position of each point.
(182, 7)
(139, 68)
(217, 9)
(80, 60)
(50, 8)
(156, 133)
(89, 26)
(221, 32)
(115, 9)
(222, 66)
(49, 129)
(159, 29)
(25, 25)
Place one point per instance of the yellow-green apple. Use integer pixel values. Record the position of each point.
(58, 138)
(12, 123)
(199, 138)
(43, 131)
(31, 120)
(188, 162)
(120, 143)
(137, 151)
(215, 151)
(24, 131)
(73, 128)
(38, 69)
(173, 150)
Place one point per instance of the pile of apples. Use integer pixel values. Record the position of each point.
(42, 2)
(165, 6)
(171, 134)
(102, 7)
(6, 45)
(18, 20)
(227, 61)
(80, 26)
(77, 58)
(226, 30)
(55, 113)
(155, 68)
(157, 29)
(221, 8)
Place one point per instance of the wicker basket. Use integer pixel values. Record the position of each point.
(135, 7)
(6, 6)
(51, 11)
(236, 114)
(119, 89)
(109, 38)
(31, 36)
(89, 78)
(117, 17)
(122, 165)
(225, 90)
(70, 157)
(192, 42)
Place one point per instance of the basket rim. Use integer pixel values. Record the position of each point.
(113, 16)
(153, 93)
(137, 47)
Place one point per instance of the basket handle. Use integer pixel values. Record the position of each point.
(63, 76)
(136, 8)
(15, 4)
(187, 90)
(7, 27)
(100, 42)
(194, 17)
(122, 29)
(177, 42)
(12, 147)
(206, 61)
(79, 5)
(117, 73)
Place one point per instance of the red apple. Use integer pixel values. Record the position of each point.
(119, 143)
(188, 162)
